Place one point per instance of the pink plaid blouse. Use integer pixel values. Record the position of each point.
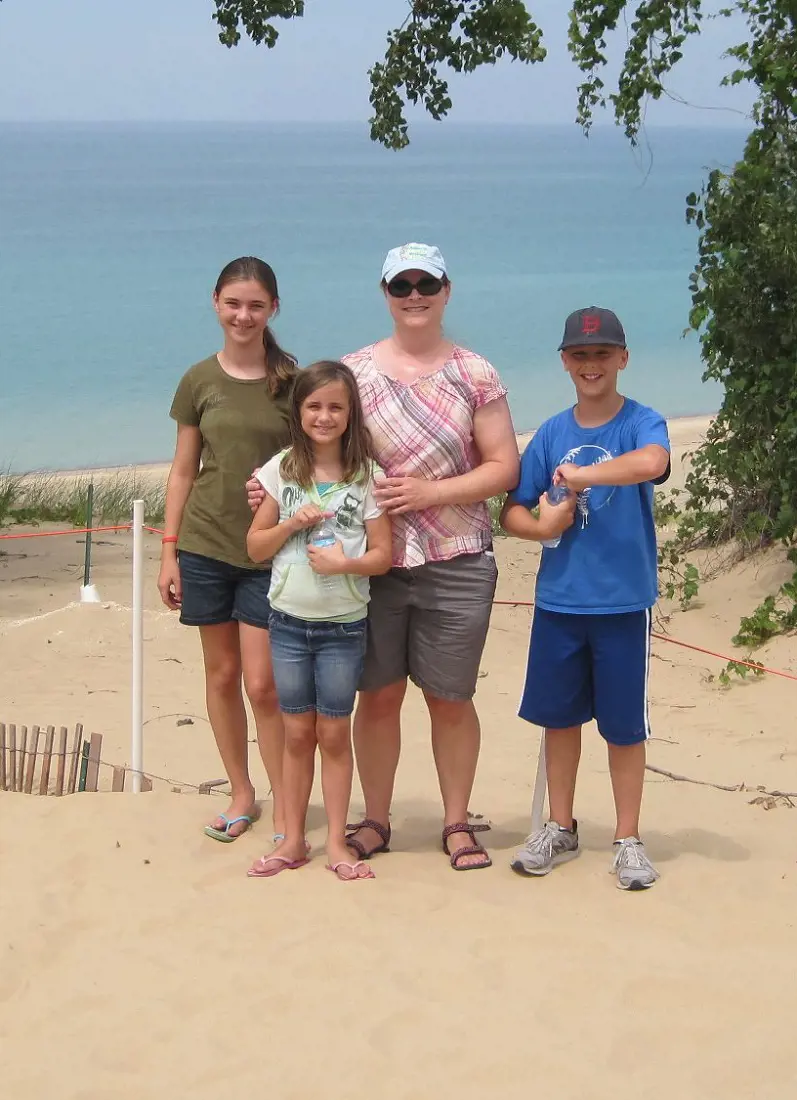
(425, 429)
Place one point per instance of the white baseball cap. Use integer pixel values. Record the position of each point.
(413, 257)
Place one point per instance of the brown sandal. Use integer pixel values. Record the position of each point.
(473, 849)
(367, 823)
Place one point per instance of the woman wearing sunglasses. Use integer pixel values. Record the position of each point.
(443, 434)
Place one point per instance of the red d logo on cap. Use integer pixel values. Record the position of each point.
(590, 324)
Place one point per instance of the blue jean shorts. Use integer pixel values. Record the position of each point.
(317, 665)
(215, 592)
(589, 666)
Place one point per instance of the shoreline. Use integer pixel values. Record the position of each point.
(681, 428)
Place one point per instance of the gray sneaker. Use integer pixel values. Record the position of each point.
(546, 848)
(631, 865)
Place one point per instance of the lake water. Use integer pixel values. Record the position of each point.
(111, 238)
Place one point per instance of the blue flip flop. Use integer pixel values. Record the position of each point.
(224, 834)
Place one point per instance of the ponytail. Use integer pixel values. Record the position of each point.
(281, 366)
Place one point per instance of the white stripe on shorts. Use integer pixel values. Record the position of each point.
(648, 628)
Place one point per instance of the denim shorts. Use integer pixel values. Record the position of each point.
(215, 592)
(317, 665)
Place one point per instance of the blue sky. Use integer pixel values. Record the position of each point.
(161, 60)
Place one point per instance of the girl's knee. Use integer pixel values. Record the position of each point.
(300, 734)
(224, 677)
(334, 735)
(261, 692)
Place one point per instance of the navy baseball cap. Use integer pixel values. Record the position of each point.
(592, 325)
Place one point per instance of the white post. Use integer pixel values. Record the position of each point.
(137, 746)
(540, 786)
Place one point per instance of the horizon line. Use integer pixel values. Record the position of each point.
(735, 123)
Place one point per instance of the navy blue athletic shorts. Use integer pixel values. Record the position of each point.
(582, 667)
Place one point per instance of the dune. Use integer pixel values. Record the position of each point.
(140, 962)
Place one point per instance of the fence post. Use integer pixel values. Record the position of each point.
(88, 591)
(540, 788)
(137, 710)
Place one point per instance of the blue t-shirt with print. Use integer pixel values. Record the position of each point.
(606, 563)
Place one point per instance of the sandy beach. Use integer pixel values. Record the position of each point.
(139, 962)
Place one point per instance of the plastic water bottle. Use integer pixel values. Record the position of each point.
(324, 535)
(556, 494)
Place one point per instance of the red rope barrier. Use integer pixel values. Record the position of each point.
(498, 603)
(684, 645)
(71, 531)
(79, 531)
(724, 657)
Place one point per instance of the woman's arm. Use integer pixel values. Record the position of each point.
(267, 535)
(494, 436)
(378, 556)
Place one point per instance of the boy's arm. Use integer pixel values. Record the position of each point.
(553, 519)
(516, 517)
(647, 463)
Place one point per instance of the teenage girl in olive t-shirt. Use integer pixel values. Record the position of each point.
(232, 416)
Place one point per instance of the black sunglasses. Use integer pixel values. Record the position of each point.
(427, 285)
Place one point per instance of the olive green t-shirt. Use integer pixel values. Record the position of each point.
(242, 427)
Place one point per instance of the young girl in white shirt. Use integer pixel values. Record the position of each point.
(322, 485)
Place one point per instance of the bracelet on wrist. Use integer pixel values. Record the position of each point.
(169, 538)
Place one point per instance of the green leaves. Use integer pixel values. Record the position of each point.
(460, 35)
(436, 37)
(655, 32)
(775, 615)
(441, 36)
(255, 17)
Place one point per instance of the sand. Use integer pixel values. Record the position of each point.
(138, 961)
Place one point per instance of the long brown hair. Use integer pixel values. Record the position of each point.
(355, 444)
(281, 366)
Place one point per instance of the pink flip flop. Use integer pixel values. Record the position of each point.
(347, 872)
(261, 868)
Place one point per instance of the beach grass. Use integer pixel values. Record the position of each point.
(50, 497)
(495, 504)
(55, 498)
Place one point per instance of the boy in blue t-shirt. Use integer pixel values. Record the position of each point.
(590, 638)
